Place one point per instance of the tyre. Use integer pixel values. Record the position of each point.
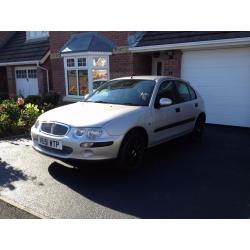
(197, 133)
(132, 150)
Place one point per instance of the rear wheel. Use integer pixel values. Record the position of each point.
(132, 150)
(198, 129)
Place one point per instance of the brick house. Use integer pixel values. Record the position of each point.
(24, 63)
(216, 63)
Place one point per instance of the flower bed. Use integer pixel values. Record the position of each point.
(18, 116)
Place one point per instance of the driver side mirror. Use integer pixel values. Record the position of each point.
(164, 102)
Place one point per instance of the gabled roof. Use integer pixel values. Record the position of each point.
(18, 49)
(151, 38)
(88, 41)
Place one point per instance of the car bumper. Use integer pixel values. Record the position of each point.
(71, 147)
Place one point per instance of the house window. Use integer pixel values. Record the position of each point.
(82, 71)
(81, 62)
(21, 73)
(71, 62)
(36, 34)
(32, 73)
(72, 82)
(100, 74)
(83, 82)
(99, 62)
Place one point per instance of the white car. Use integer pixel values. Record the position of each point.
(121, 119)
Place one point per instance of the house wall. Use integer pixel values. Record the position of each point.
(122, 61)
(172, 63)
(3, 82)
(42, 77)
(11, 80)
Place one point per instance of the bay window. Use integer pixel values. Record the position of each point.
(82, 70)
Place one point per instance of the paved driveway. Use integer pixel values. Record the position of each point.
(179, 180)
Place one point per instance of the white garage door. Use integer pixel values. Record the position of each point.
(26, 81)
(222, 77)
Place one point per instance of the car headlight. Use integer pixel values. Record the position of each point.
(37, 123)
(90, 133)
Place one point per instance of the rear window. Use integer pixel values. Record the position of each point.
(183, 92)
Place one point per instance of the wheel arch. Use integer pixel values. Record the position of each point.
(141, 129)
(203, 115)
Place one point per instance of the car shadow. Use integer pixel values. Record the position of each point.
(178, 180)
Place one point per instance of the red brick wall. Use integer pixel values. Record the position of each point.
(3, 81)
(142, 64)
(11, 80)
(172, 64)
(42, 77)
(58, 81)
(121, 65)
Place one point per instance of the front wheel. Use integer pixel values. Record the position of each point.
(198, 129)
(132, 151)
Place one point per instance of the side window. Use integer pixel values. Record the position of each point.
(192, 93)
(166, 90)
(182, 91)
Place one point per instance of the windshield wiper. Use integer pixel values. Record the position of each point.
(98, 101)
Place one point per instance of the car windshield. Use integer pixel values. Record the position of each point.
(125, 92)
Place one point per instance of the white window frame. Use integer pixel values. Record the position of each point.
(89, 67)
(30, 35)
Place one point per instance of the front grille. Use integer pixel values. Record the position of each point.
(65, 150)
(54, 128)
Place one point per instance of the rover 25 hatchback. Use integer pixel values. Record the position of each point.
(121, 119)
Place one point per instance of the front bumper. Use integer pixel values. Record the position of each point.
(103, 149)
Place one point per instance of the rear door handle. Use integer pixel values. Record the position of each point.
(178, 110)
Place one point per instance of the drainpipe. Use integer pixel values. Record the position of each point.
(47, 75)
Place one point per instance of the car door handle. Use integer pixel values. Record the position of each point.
(178, 110)
(196, 104)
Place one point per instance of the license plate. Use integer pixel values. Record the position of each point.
(51, 143)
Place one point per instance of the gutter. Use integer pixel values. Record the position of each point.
(194, 45)
(19, 63)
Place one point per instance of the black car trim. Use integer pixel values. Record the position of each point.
(102, 144)
(175, 124)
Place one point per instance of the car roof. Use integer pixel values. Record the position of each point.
(148, 77)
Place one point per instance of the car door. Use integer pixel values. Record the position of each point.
(186, 108)
(165, 118)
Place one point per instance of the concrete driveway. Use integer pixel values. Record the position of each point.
(179, 180)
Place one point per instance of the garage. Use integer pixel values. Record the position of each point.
(26, 81)
(222, 76)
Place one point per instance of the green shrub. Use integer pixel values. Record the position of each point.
(47, 106)
(18, 116)
(34, 99)
(5, 123)
(29, 115)
(11, 108)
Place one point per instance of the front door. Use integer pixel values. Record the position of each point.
(26, 81)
